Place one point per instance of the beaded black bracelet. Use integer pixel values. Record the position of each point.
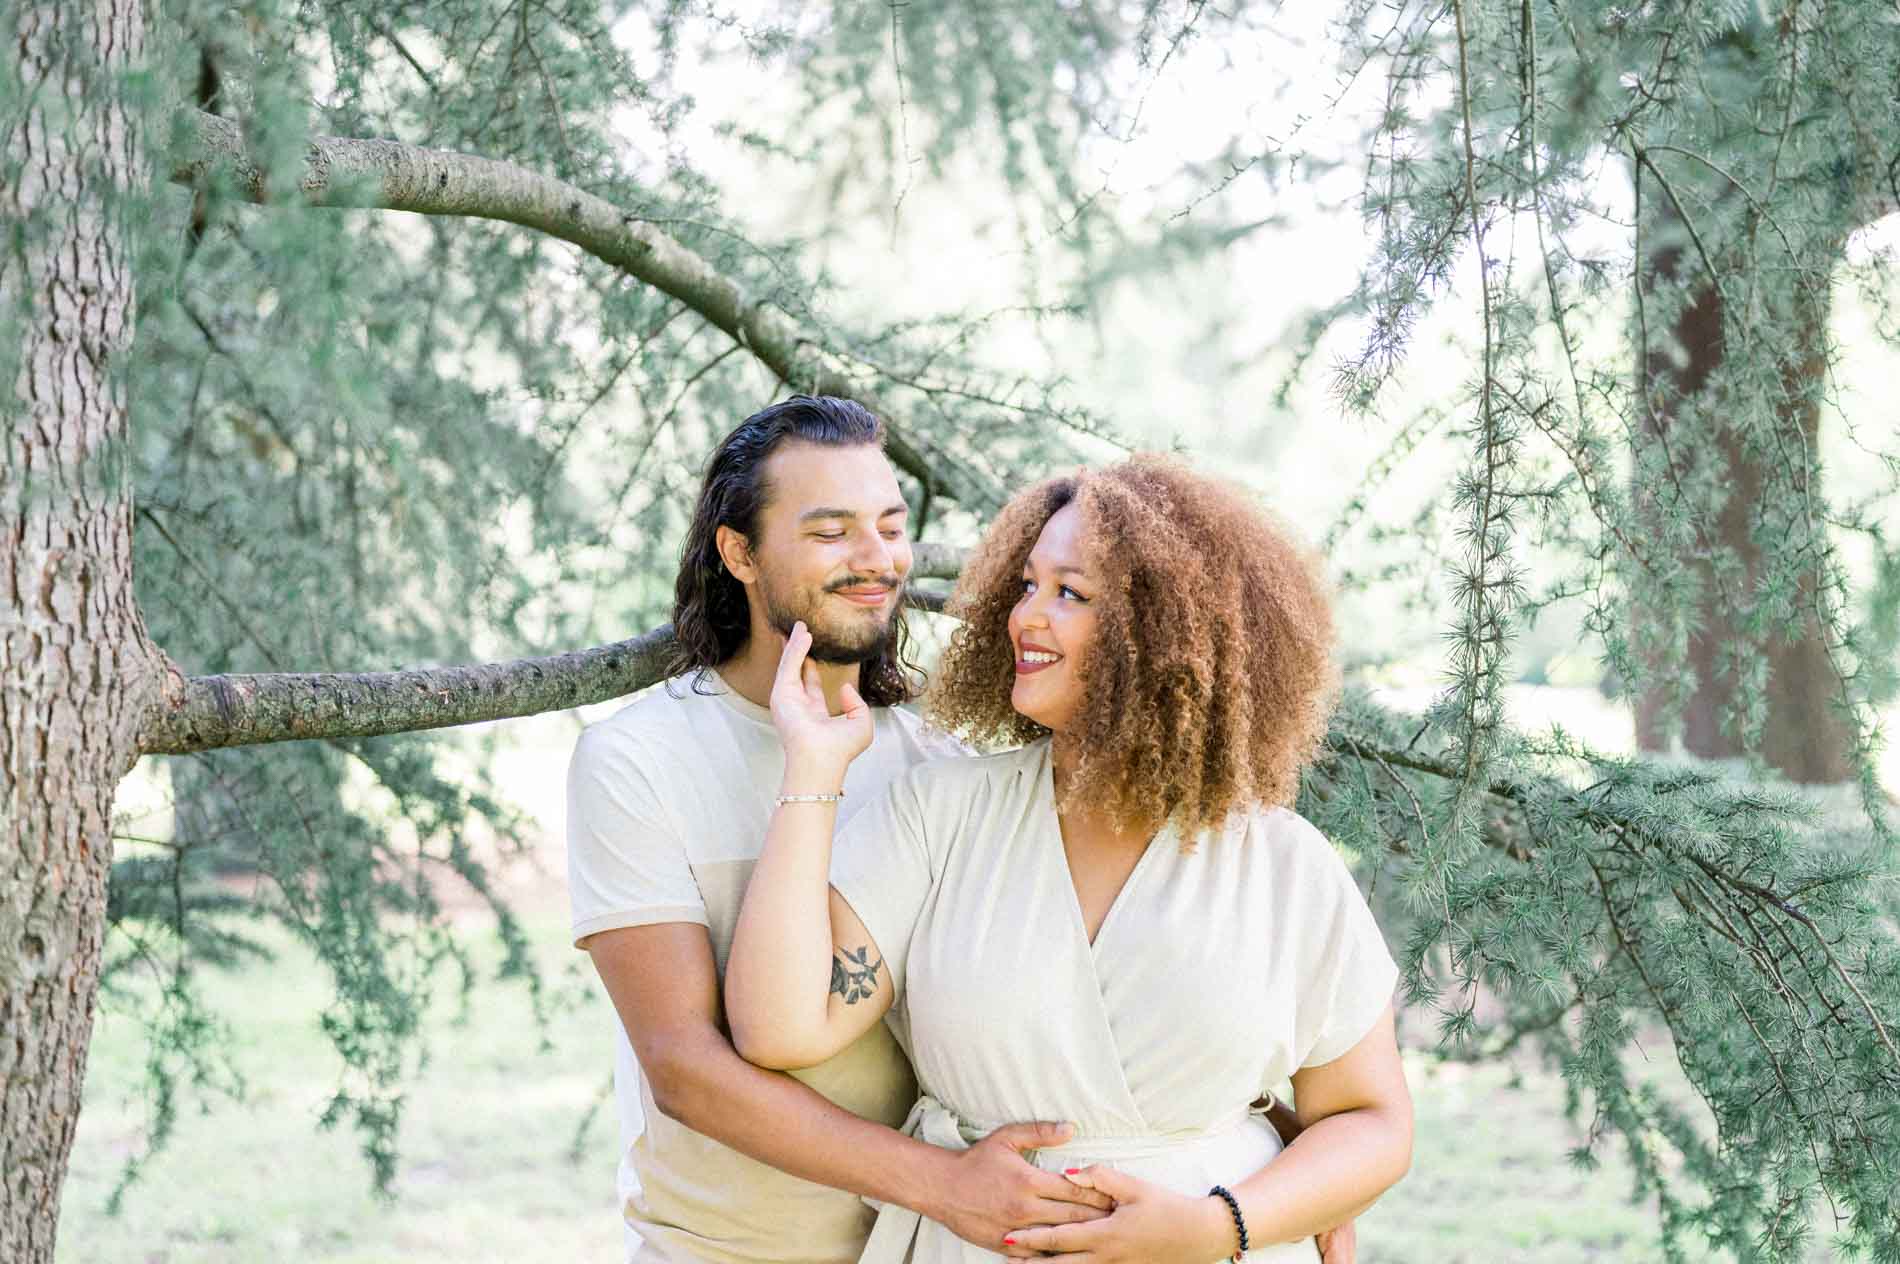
(1240, 1222)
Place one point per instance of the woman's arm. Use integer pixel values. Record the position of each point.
(1357, 1143)
(804, 978)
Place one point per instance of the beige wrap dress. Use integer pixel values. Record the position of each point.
(1215, 975)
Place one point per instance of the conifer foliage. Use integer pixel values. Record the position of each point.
(428, 352)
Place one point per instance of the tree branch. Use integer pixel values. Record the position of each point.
(390, 175)
(197, 713)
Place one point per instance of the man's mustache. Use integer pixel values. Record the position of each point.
(892, 581)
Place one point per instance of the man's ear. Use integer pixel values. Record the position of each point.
(736, 552)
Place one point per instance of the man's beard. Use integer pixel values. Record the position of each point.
(834, 638)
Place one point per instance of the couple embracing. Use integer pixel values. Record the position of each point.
(1032, 1004)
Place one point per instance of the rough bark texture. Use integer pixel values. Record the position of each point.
(392, 176)
(209, 712)
(1805, 736)
(74, 662)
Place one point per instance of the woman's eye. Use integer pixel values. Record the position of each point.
(829, 535)
(1070, 592)
(1029, 585)
(893, 535)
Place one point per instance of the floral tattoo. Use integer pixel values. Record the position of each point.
(853, 974)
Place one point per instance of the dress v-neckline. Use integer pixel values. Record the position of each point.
(1079, 914)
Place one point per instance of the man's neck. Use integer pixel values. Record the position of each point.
(751, 671)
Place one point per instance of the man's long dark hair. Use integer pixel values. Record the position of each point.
(710, 616)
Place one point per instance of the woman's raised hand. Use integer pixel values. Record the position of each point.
(817, 743)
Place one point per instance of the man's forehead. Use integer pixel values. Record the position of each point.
(857, 477)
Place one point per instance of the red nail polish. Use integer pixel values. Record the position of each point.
(1070, 1171)
(1009, 1242)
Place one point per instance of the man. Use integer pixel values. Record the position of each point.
(800, 517)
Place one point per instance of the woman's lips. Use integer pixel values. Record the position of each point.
(1026, 668)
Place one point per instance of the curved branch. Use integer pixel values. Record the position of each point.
(392, 176)
(197, 713)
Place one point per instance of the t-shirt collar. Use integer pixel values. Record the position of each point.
(738, 702)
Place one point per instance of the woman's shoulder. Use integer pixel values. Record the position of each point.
(1284, 839)
(960, 780)
(972, 769)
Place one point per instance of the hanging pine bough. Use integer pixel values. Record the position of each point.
(1705, 165)
(1604, 899)
(330, 473)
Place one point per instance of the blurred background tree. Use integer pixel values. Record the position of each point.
(362, 440)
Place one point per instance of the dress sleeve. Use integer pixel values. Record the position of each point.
(1348, 976)
(626, 861)
(880, 864)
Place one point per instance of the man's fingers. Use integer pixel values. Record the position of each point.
(1059, 1189)
(1034, 1135)
(791, 660)
(1052, 1211)
(1340, 1245)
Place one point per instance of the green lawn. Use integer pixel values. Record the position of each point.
(486, 1173)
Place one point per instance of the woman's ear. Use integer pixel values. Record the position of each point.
(736, 552)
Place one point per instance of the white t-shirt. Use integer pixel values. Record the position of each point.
(667, 806)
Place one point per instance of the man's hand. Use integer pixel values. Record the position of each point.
(991, 1189)
(816, 741)
(1339, 1246)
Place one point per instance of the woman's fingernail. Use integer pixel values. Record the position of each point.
(1009, 1242)
(1070, 1171)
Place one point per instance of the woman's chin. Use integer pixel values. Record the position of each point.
(1027, 708)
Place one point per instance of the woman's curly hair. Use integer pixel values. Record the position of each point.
(1211, 675)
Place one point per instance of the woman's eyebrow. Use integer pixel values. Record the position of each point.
(1063, 569)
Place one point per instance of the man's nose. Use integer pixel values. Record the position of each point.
(873, 555)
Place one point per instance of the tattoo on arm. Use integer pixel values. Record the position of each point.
(853, 974)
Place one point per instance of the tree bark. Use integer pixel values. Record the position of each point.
(1806, 737)
(201, 713)
(75, 664)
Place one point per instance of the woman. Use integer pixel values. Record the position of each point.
(1114, 924)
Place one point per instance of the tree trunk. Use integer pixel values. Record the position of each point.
(1805, 736)
(75, 665)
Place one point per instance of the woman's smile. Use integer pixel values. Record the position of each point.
(1031, 658)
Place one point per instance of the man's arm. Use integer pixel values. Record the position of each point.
(664, 986)
(1340, 1244)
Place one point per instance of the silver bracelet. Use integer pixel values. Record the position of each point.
(783, 799)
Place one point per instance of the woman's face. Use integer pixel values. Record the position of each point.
(1053, 622)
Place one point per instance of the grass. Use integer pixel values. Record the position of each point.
(485, 1172)
(489, 1120)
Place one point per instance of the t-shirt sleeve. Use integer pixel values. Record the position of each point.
(880, 864)
(1349, 975)
(626, 861)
